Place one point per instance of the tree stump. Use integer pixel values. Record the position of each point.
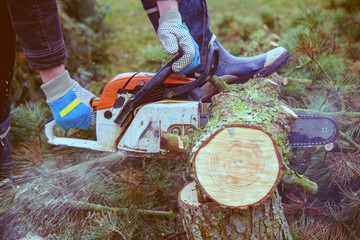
(237, 161)
(212, 221)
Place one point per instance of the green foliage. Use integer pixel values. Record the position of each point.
(305, 39)
(28, 121)
(111, 226)
(231, 26)
(48, 198)
(153, 55)
(268, 16)
(348, 5)
(311, 17)
(322, 46)
(26, 82)
(347, 24)
(85, 38)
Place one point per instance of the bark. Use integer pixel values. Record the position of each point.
(211, 221)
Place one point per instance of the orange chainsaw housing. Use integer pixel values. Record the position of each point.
(128, 82)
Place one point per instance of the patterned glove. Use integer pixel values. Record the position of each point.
(174, 35)
(69, 102)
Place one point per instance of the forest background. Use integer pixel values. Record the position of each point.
(65, 193)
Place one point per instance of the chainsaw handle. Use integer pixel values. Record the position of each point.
(210, 67)
(49, 128)
(152, 84)
(157, 79)
(70, 142)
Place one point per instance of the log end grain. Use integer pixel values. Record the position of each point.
(239, 166)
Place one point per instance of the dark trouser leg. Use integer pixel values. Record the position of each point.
(195, 15)
(7, 61)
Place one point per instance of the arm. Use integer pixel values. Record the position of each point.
(174, 36)
(49, 74)
(37, 25)
(165, 6)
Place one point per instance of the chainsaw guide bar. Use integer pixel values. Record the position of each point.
(312, 130)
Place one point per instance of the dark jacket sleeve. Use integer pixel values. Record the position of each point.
(37, 25)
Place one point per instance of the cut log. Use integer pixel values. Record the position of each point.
(211, 221)
(237, 160)
(238, 167)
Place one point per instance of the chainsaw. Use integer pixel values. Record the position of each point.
(136, 109)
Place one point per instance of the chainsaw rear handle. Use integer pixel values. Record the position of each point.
(152, 84)
(156, 80)
(210, 67)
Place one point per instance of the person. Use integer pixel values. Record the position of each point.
(182, 24)
(195, 15)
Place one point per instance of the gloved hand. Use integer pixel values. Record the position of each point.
(174, 35)
(69, 102)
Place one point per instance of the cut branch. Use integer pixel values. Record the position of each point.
(299, 181)
(335, 114)
(349, 140)
(121, 211)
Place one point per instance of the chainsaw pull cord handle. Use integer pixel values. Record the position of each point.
(152, 84)
(211, 64)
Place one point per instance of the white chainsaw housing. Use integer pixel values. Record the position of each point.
(143, 133)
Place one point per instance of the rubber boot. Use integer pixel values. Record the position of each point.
(241, 69)
(238, 69)
(5, 150)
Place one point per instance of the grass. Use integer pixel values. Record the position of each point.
(132, 33)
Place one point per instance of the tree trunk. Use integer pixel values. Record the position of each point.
(238, 160)
(211, 221)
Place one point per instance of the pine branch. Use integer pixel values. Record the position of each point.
(349, 140)
(294, 179)
(322, 69)
(335, 114)
(330, 81)
(353, 168)
(121, 211)
(298, 67)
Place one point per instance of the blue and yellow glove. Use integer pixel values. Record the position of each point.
(174, 35)
(69, 102)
